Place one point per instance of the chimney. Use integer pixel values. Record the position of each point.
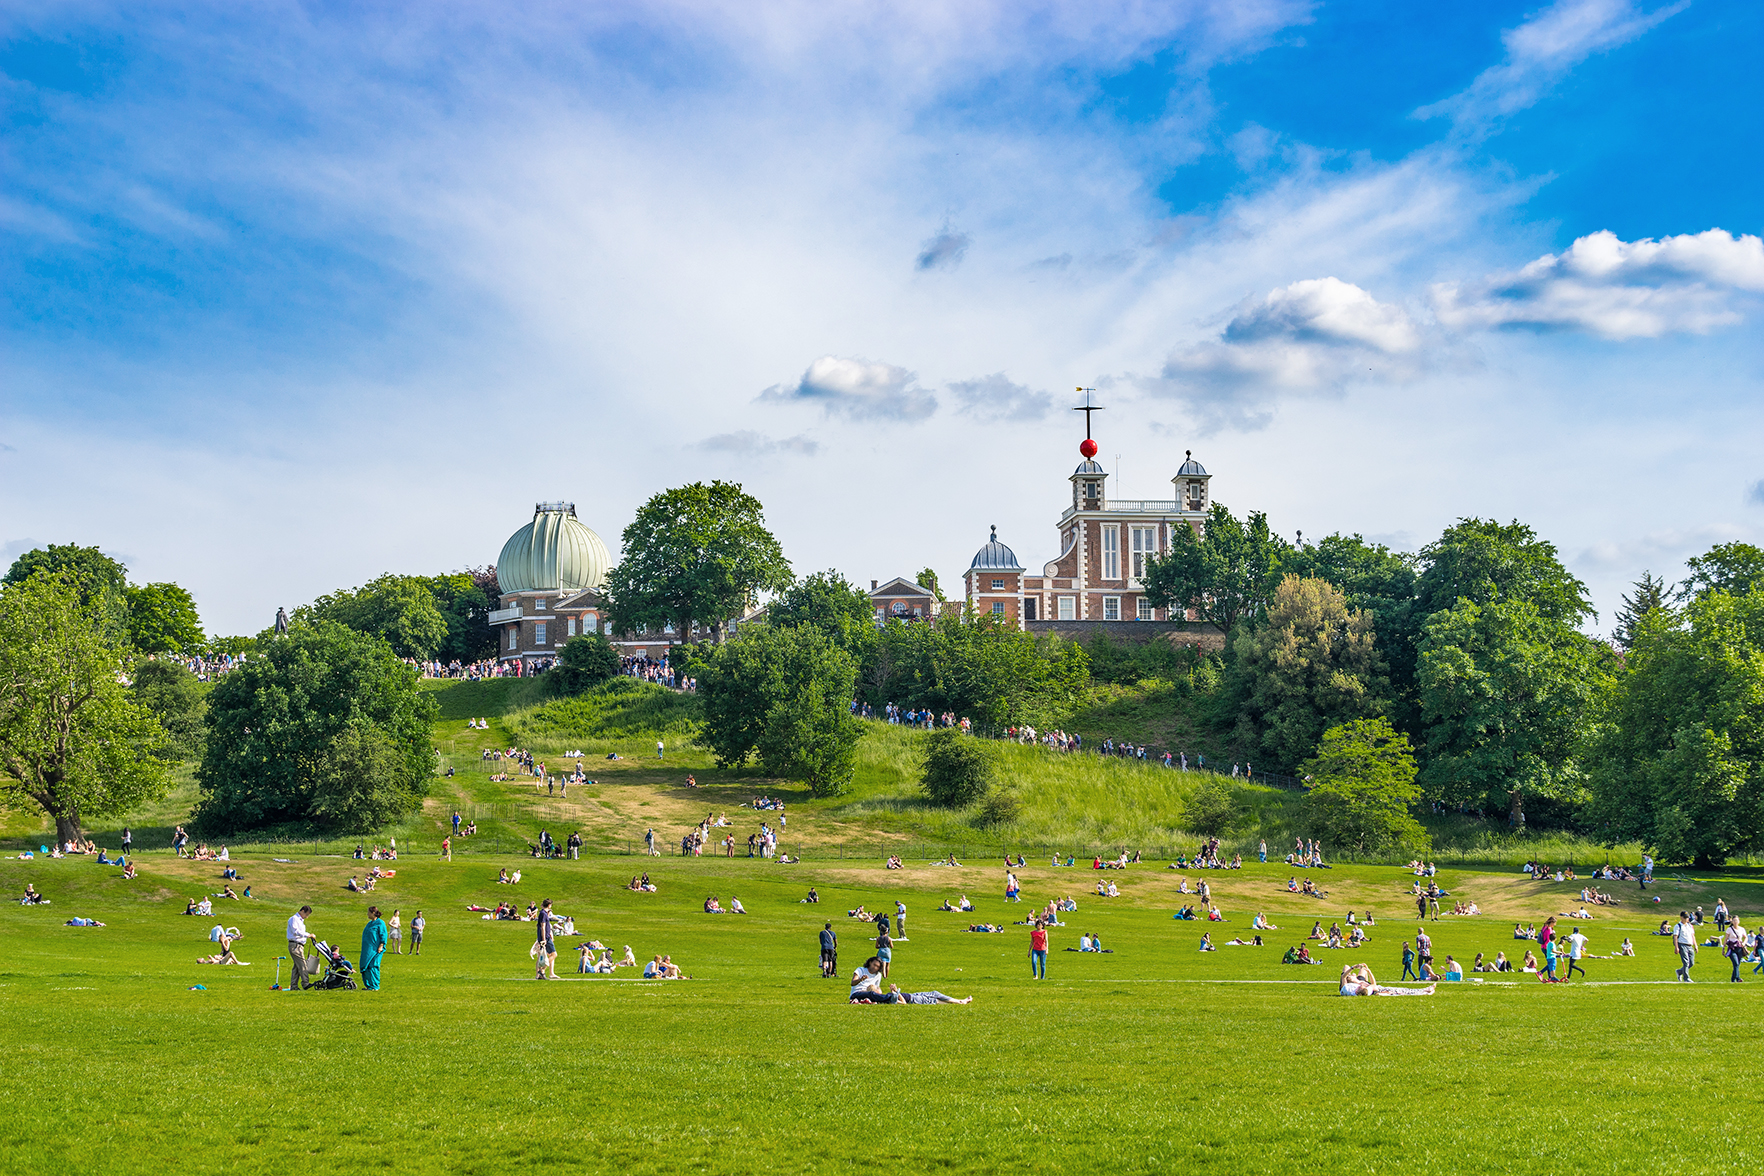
(872, 585)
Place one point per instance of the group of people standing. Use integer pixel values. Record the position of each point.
(376, 937)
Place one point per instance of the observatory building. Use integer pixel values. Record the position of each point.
(551, 573)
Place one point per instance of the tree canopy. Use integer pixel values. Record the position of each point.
(163, 619)
(697, 554)
(1483, 561)
(177, 699)
(830, 603)
(977, 666)
(274, 722)
(957, 769)
(1227, 573)
(73, 739)
(585, 661)
(1362, 787)
(400, 610)
(1734, 568)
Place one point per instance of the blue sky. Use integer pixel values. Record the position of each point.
(297, 294)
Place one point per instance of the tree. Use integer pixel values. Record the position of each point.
(464, 600)
(1362, 785)
(830, 603)
(1734, 568)
(785, 694)
(101, 582)
(927, 579)
(1314, 664)
(163, 619)
(273, 723)
(699, 554)
(73, 739)
(958, 768)
(1483, 561)
(177, 699)
(1679, 761)
(1377, 580)
(584, 661)
(1504, 692)
(976, 666)
(360, 782)
(1228, 573)
(1650, 593)
(400, 610)
(1211, 809)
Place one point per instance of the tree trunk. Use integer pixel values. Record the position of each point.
(67, 828)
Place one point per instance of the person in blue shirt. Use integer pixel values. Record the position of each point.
(373, 948)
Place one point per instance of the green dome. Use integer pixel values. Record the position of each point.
(553, 553)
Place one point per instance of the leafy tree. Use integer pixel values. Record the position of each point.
(1228, 573)
(958, 768)
(584, 661)
(1679, 763)
(1211, 809)
(232, 646)
(1504, 692)
(976, 666)
(360, 782)
(92, 573)
(1734, 568)
(163, 619)
(1650, 593)
(1482, 561)
(785, 694)
(1362, 786)
(698, 554)
(1314, 664)
(1379, 581)
(177, 699)
(830, 603)
(273, 723)
(464, 600)
(400, 610)
(73, 739)
(927, 579)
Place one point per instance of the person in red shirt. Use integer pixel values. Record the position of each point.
(1038, 950)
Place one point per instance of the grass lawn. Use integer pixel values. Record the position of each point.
(1154, 1058)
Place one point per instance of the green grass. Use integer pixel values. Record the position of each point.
(1153, 1059)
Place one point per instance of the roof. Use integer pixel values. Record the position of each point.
(1192, 468)
(1088, 467)
(907, 587)
(553, 553)
(995, 557)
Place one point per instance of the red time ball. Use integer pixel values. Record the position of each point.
(1087, 448)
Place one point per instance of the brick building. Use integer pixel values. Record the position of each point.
(551, 573)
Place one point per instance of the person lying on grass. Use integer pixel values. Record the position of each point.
(985, 928)
(860, 914)
(1357, 980)
(923, 998)
(1255, 941)
(77, 921)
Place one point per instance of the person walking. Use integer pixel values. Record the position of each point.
(298, 936)
(456, 822)
(1409, 972)
(395, 934)
(1733, 943)
(128, 841)
(373, 949)
(1576, 952)
(545, 950)
(649, 842)
(658, 749)
(447, 849)
(884, 946)
(899, 919)
(416, 933)
(1038, 950)
(1684, 937)
(829, 952)
(1424, 952)
(1262, 852)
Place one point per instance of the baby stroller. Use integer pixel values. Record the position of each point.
(339, 972)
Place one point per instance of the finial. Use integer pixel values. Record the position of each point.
(1189, 454)
(995, 532)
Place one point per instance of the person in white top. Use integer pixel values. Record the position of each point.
(1684, 937)
(297, 939)
(1576, 952)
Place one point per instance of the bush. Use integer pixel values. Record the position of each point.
(958, 769)
(999, 808)
(583, 662)
(1212, 810)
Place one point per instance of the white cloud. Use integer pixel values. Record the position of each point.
(749, 443)
(944, 251)
(1755, 493)
(1541, 51)
(861, 389)
(1313, 334)
(997, 397)
(1615, 289)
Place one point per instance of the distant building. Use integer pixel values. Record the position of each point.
(551, 574)
(902, 599)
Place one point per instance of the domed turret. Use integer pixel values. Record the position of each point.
(995, 557)
(553, 553)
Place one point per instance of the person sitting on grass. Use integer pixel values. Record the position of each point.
(502, 876)
(1292, 885)
(1628, 948)
(1357, 980)
(1480, 964)
(712, 906)
(735, 907)
(130, 874)
(1529, 963)
(1502, 963)
(32, 898)
(866, 985)
(1206, 943)
(1316, 930)
(205, 906)
(893, 863)
(584, 960)
(1261, 923)
(1453, 969)
(1185, 913)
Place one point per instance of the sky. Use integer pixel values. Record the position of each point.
(298, 294)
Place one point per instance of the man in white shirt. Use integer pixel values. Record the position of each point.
(1576, 950)
(1684, 937)
(297, 939)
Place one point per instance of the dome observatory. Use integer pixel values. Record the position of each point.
(553, 553)
(995, 556)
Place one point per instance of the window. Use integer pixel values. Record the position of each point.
(572, 626)
(997, 584)
(1145, 609)
(538, 606)
(539, 633)
(1068, 608)
(1145, 545)
(998, 608)
(1111, 608)
(1090, 489)
(1029, 609)
(1197, 495)
(514, 634)
(1111, 539)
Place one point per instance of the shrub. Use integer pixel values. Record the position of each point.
(999, 808)
(1212, 810)
(958, 768)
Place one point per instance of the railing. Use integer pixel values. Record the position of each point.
(502, 616)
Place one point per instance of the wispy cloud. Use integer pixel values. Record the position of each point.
(944, 251)
(1755, 493)
(1541, 52)
(860, 389)
(748, 443)
(1616, 289)
(997, 397)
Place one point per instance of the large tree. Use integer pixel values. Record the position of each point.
(1650, 593)
(1362, 789)
(977, 666)
(273, 725)
(1379, 581)
(73, 739)
(699, 554)
(1483, 561)
(400, 610)
(1313, 665)
(1734, 568)
(1227, 573)
(830, 603)
(176, 698)
(1680, 759)
(163, 619)
(465, 600)
(102, 582)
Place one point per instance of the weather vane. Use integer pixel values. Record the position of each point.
(1087, 447)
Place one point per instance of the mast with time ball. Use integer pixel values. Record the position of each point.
(1087, 447)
